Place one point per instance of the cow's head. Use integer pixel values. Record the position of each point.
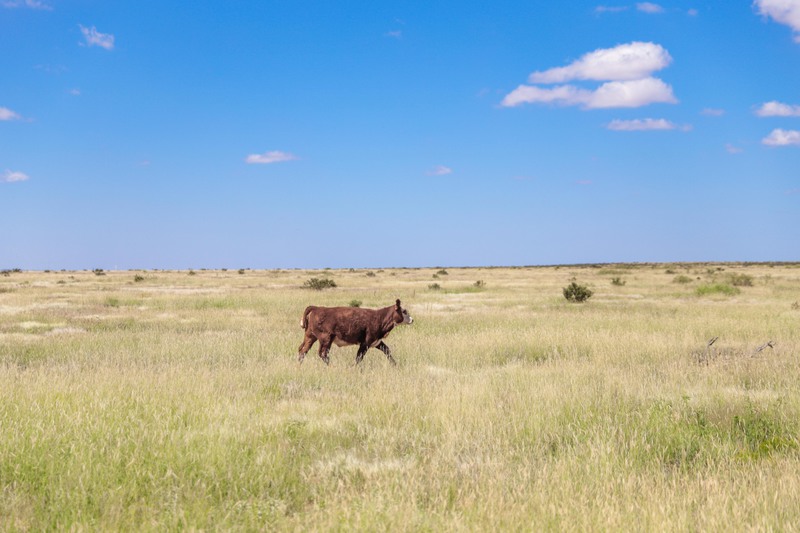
(401, 315)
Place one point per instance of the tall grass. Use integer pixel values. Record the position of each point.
(178, 404)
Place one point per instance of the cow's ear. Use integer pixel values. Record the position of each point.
(397, 305)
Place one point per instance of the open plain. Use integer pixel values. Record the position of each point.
(153, 400)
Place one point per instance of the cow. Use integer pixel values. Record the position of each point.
(346, 326)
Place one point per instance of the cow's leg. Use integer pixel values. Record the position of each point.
(385, 349)
(362, 349)
(305, 346)
(324, 348)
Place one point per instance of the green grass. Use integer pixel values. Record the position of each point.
(717, 288)
(179, 404)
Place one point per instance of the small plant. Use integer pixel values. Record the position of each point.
(138, 278)
(370, 274)
(741, 280)
(112, 302)
(577, 293)
(434, 286)
(682, 279)
(436, 276)
(796, 306)
(619, 282)
(716, 288)
(355, 303)
(669, 271)
(480, 284)
(241, 271)
(192, 273)
(442, 272)
(99, 272)
(319, 284)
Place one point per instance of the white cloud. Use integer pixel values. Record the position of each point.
(630, 61)
(95, 38)
(732, 149)
(712, 112)
(10, 176)
(561, 94)
(783, 11)
(274, 156)
(610, 9)
(693, 12)
(646, 124)
(32, 4)
(649, 7)
(440, 170)
(635, 93)
(625, 68)
(75, 92)
(780, 137)
(7, 114)
(778, 109)
(396, 34)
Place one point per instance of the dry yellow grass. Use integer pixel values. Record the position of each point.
(177, 402)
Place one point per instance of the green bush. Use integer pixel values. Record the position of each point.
(355, 303)
(319, 284)
(138, 278)
(682, 279)
(442, 272)
(434, 286)
(480, 284)
(619, 282)
(716, 288)
(577, 293)
(741, 280)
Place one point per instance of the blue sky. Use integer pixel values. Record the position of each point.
(280, 134)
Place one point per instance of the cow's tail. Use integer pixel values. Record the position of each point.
(304, 320)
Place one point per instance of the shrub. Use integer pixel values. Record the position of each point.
(436, 276)
(370, 274)
(442, 272)
(138, 278)
(98, 272)
(716, 288)
(682, 279)
(434, 286)
(796, 306)
(577, 293)
(319, 284)
(355, 303)
(741, 280)
(241, 271)
(619, 282)
(480, 284)
(192, 273)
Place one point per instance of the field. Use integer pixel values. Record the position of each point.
(153, 400)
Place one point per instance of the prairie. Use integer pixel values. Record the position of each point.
(153, 400)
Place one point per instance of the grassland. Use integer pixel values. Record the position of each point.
(164, 400)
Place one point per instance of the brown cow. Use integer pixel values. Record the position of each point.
(346, 326)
